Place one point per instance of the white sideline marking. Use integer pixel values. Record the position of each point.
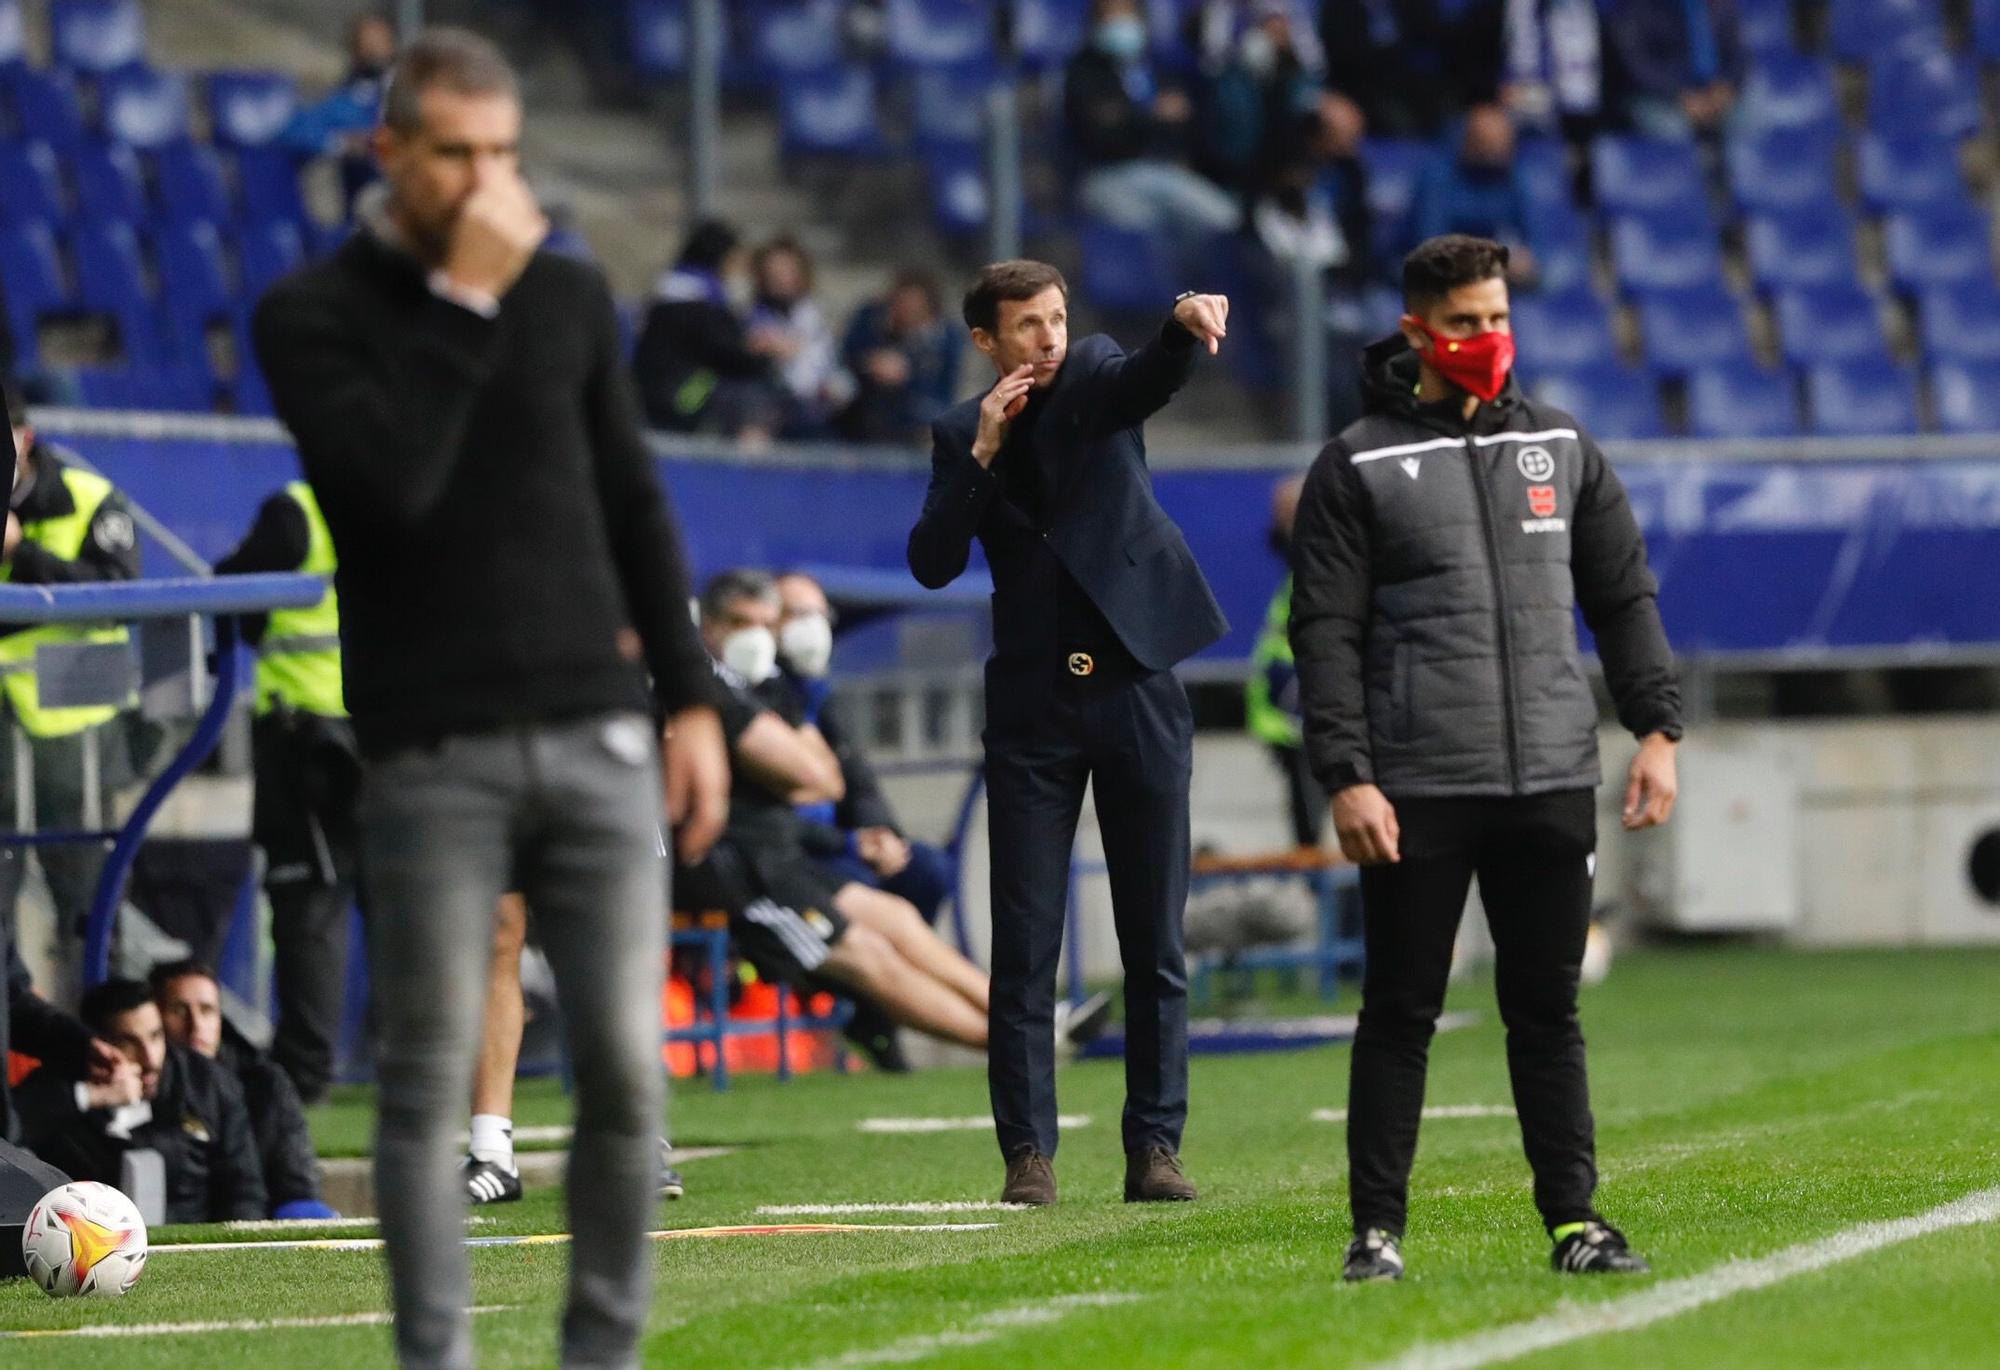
(979, 1124)
(980, 1330)
(839, 1210)
(562, 1238)
(1339, 1115)
(321, 1224)
(1574, 1322)
(182, 1329)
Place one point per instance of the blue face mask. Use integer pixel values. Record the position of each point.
(1122, 36)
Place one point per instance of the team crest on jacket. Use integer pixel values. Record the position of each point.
(1536, 464)
(1542, 501)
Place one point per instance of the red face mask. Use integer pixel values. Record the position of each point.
(1478, 364)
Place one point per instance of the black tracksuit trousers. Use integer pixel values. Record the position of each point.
(1534, 858)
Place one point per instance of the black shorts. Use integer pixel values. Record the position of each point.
(781, 913)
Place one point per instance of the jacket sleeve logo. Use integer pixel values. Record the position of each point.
(1536, 464)
(1542, 501)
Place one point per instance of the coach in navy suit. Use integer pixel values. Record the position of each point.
(1096, 597)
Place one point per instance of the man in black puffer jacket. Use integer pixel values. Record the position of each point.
(1442, 545)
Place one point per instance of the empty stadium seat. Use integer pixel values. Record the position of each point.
(1692, 327)
(194, 279)
(830, 113)
(1543, 166)
(1830, 323)
(108, 182)
(1394, 165)
(785, 36)
(97, 36)
(1560, 238)
(1861, 399)
(1961, 324)
(1965, 396)
(1646, 175)
(111, 280)
(266, 251)
(1047, 33)
(1784, 169)
(249, 108)
(1802, 248)
(31, 286)
(1617, 403)
(142, 108)
(171, 388)
(30, 187)
(189, 179)
(933, 32)
(1742, 402)
(1789, 90)
(1910, 172)
(1860, 30)
(1939, 249)
(45, 107)
(267, 179)
(1766, 26)
(656, 34)
(956, 177)
(1986, 29)
(948, 103)
(1562, 331)
(1124, 271)
(1936, 93)
(1664, 252)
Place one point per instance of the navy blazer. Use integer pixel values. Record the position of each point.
(1100, 517)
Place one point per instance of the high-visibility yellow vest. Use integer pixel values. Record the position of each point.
(298, 665)
(1267, 721)
(61, 536)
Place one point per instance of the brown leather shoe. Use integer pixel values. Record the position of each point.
(1031, 1179)
(1154, 1176)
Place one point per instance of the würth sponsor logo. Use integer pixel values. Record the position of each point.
(1542, 500)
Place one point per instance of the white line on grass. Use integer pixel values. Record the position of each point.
(1574, 1322)
(323, 1224)
(840, 1210)
(562, 1238)
(980, 1330)
(979, 1124)
(182, 1329)
(1339, 1115)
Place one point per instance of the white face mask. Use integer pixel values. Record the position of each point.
(807, 644)
(752, 653)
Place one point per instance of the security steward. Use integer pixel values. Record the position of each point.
(1442, 544)
(1096, 598)
(1271, 695)
(65, 526)
(308, 778)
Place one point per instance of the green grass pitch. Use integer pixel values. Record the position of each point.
(1747, 1101)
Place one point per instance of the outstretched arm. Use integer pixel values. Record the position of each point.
(1137, 385)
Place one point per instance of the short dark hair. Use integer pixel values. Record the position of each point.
(728, 587)
(783, 245)
(1441, 265)
(708, 245)
(102, 1003)
(167, 972)
(923, 282)
(1019, 279)
(457, 60)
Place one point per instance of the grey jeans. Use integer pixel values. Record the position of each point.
(569, 815)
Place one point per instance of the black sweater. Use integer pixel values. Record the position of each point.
(500, 525)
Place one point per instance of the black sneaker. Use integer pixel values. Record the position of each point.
(671, 1184)
(874, 1032)
(1374, 1256)
(1595, 1248)
(487, 1183)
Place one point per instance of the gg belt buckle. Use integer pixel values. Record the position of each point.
(1080, 663)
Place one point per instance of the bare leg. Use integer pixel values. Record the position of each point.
(914, 940)
(866, 960)
(506, 1014)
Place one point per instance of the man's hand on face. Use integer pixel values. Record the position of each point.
(124, 1087)
(884, 850)
(1205, 316)
(998, 409)
(1366, 823)
(496, 233)
(102, 1061)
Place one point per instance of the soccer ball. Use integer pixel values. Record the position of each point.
(84, 1238)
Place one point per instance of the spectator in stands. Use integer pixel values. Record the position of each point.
(1672, 67)
(1413, 64)
(65, 525)
(904, 359)
(1478, 192)
(786, 323)
(341, 124)
(167, 1099)
(36, 1028)
(1131, 133)
(1216, 28)
(1554, 80)
(1261, 102)
(698, 368)
(190, 1004)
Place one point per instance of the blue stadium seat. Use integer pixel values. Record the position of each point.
(1801, 248)
(948, 103)
(1986, 29)
(1935, 94)
(144, 387)
(1861, 399)
(656, 32)
(1905, 172)
(1125, 271)
(142, 108)
(1939, 249)
(1617, 403)
(1742, 402)
(1394, 166)
(97, 36)
(111, 280)
(189, 179)
(1962, 324)
(1695, 326)
(1784, 169)
(1790, 90)
(1966, 396)
(1830, 323)
(1560, 238)
(45, 107)
(194, 279)
(1664, 252)
(30, 187)
(249, 108)
(1766, 26)
(1047, 33)
(1860, 30)
(830, 113)
(268, 180)
(31, 286)
(934, 32)
(1634, 175)
(785, 36)
(1563, 331)
(956, 176)
(248, 393)
(266, 251)
(109, 184)
(1543, 166)
(13, 34)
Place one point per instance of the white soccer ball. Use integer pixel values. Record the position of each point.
(84, 1239)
